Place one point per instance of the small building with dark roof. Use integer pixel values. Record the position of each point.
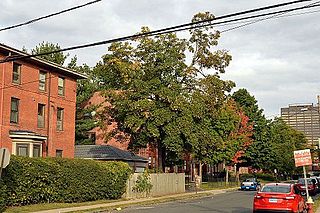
(110, 153)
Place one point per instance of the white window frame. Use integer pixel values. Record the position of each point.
(42, 82)
(28, 142)
(16, 112)
(18, 81)
(61, 121)
(39, 117)
(61, 88)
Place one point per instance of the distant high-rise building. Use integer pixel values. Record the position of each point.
(304, 118)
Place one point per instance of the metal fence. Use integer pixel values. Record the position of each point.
(212, 182)
(220, 182)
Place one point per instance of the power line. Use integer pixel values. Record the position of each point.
(271, 17)
(238, 19)
(177, 28)
(48, 16)
(279, 16)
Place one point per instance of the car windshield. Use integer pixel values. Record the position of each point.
(250, 180)
(276, 188)
(301, 181)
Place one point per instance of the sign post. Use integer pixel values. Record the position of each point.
(303, 158)
(4, 159)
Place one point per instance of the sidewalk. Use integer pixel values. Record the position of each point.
(116, 203)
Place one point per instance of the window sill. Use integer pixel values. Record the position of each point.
(43, 91)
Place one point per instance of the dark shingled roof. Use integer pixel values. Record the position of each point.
(105, 152)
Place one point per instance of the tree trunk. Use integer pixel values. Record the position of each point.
(227, 176)
(200, 171)
(161, 158)
(237, 173)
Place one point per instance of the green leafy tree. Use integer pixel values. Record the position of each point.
(87, 116)
(44, 47)
(284, 140)
(160, 99)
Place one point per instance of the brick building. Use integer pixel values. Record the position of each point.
(37, 106)
(119, 141)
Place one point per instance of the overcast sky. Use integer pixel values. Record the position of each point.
(276, 60)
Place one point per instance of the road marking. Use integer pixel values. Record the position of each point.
(145, 207)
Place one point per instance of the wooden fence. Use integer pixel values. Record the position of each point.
(162, 184)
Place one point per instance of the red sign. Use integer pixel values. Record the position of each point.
(302, 157)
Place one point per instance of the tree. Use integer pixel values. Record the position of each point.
(86, 115)
(258, 154)
(44, 47)
(160, 99)
(284, 140)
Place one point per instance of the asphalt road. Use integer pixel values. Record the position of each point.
(235, 201)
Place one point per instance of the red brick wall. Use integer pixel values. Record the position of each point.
(97, 99)
(29, 95)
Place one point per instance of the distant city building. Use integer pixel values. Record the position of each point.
(304, 118)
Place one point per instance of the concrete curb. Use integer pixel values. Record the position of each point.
(139, 201)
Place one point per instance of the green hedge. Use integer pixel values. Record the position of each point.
(266, 176)
(43, 180)
(3, 196)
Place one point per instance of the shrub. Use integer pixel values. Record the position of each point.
(42, 180)
(259, 176)
(143, 184)
(266, 176)
(3, 196)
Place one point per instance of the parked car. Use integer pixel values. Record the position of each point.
(279, 197)
(250, 184)
(317, 182)
(312, 186)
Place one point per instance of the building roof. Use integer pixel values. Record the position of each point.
(26, 134)
(105, 152)
(35, 60)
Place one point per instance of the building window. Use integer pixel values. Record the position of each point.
(16, 73)
(14, 115)
(60, 113)
(42, 81)
(41, 110)
(22, 150)
(36, 150)
(59, 153)
(28, 149)
(61, 86)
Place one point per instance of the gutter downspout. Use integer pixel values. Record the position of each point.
(1, 103)
(48, 117)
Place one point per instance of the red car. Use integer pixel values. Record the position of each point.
(312, 186)
(278, 197)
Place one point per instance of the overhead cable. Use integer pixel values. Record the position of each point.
(48, 16)
(187, 26)
(278, 15)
